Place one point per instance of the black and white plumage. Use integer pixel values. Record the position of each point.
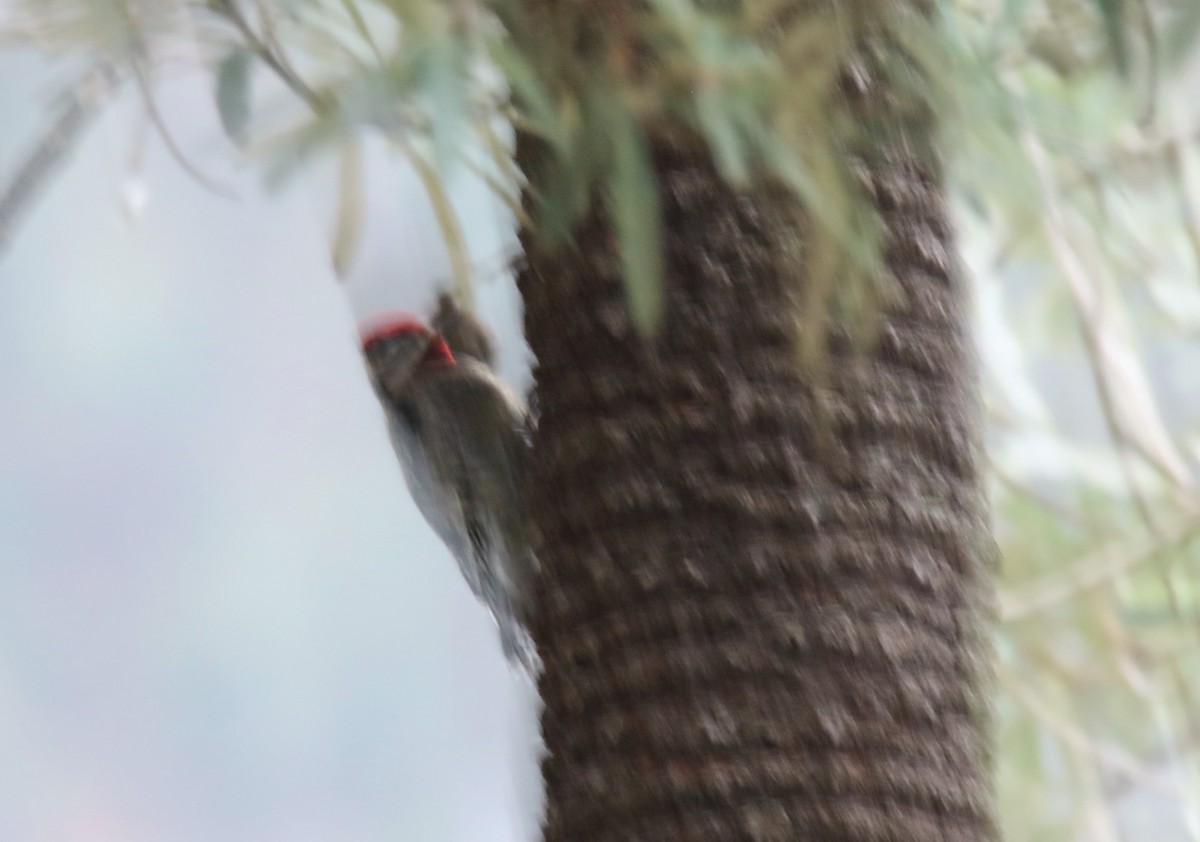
(462, 440)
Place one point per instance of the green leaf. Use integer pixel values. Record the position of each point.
(637, 216)
(360, 25)
(1112, 12)
(351, 200)
(447, 220)
(444, 87)
(528, 91)
(724, 137)
(1182, 34)
(233, 93)
(558, 196)
(563, 185)
(297, 149)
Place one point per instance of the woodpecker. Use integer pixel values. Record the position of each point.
(462, 439)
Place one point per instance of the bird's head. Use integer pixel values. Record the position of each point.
(396, 345)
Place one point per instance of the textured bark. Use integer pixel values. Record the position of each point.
(762, 603)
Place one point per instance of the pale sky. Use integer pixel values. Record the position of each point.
(220, 616)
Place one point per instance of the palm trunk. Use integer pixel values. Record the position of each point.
(758, 624)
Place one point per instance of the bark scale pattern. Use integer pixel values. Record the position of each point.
(753, 631)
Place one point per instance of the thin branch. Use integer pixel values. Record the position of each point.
(499, 265)
(364, 31)
(1088, 304)
(447, 219)
(230, 10)
(86, 98)
(1163, 754)
(1106, 756)
(1093, 571)
(1188, 202)
(1062, 511)
(173, 148)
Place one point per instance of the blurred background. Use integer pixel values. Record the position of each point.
(222, 619)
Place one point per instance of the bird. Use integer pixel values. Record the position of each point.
(462, 439)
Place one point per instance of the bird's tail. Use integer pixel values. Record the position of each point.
(518, 646)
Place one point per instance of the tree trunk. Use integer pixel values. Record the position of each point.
(762, 605)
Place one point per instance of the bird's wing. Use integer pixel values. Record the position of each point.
(490, 449)
(442, 507)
